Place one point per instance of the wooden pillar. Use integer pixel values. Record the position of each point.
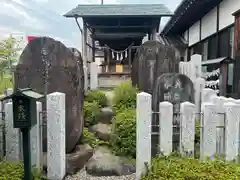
(93, 48)
(85, 58)
(154, 34)
(130, 59)
(85, 43)
(149, 36)
(108, 60)
(236, 72)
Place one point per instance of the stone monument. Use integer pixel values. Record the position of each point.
(152, 60)
(174, 88)
(48, 66)
(79, 60)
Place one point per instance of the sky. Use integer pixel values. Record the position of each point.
(44, 17)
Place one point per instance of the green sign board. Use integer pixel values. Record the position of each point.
(21, 112)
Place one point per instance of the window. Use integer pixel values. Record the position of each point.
(212, 47)
(231, 42)
(230, 79)
(230, 74)
(205, 50)
(197, 48)
(224, 43)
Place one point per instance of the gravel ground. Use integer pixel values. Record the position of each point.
(82, 175)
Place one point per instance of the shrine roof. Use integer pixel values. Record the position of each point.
(217, 60)
(122, 10)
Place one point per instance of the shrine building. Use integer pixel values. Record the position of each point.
(113, 33)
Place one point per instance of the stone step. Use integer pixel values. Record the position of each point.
(106, 115)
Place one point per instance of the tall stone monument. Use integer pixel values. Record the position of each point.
(152, 60)
(48, 66)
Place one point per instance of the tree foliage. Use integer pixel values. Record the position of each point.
(9, 51)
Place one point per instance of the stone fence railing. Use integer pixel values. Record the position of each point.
(219, 128)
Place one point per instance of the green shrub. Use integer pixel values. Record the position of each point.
(123, 140)
(97, 96)
(5, 82)
(15, 171)
(124, 96)
(90, 139)
(92, 113)
(179, 168)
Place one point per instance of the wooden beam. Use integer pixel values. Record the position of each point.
(117, 35)
(122, 27)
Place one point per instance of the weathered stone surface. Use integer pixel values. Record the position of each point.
(106, 115)
(78, 158)
(103, 163)
(48, 66)
(102, 131)
(174, 88)
(75, 160)
(56, 156)
(152, 60)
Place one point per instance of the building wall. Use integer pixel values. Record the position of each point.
(226, 8)
(194, 35)
(208, 23)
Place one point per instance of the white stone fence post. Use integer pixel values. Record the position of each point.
(56, 150)
(217, 113)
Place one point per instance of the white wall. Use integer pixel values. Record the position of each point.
(209, 21)
(194, 33)
(209, 24)
(226, 8)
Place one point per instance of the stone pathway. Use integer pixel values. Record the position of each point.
(82, 175)
(109, 95)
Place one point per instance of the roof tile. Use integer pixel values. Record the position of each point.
(120, 10)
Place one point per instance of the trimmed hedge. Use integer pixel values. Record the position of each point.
(92, 113)
(97, 96)
(125, 96)
(15, 171)
(123, 140)
(179, 168)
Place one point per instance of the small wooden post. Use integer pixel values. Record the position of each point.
(223, 79)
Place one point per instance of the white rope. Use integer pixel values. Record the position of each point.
(119, 55)
(115, 51)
